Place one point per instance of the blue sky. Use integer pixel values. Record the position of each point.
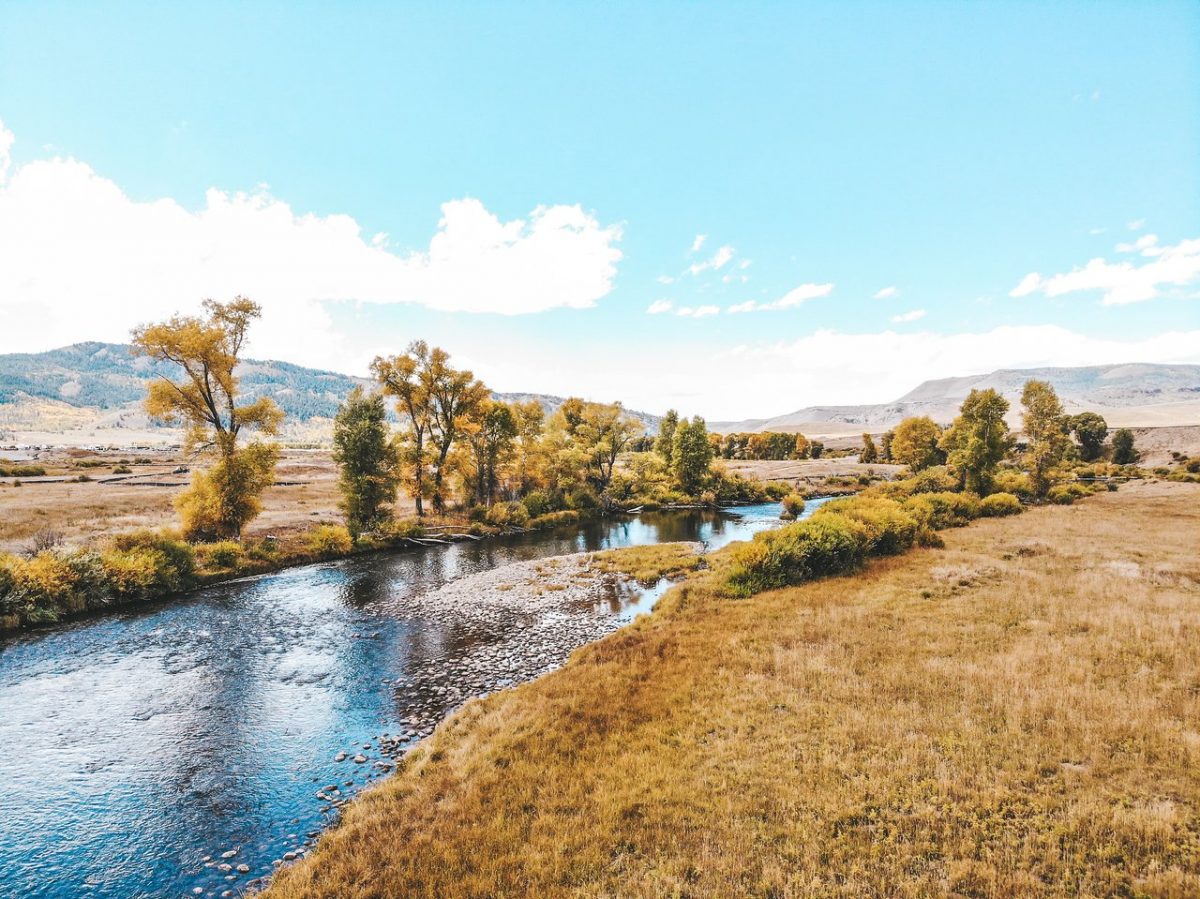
(944, 151)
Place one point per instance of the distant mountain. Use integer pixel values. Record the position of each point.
(100, 386)
(1126, 395)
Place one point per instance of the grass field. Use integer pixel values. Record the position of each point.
(1016, 714)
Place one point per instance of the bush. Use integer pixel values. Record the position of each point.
(1065, 494)
(1009, 480)
(817, 547)
(225, 554)
(890, 528)
(931, 480)
(1000, 504)
(943, 510)
(793, 506)
(508, 515)
(329, 540)
(176, 565)
(122, 469)
(407, 528)
(22, 471)
(536, 503)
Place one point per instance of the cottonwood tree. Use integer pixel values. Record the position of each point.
(491, 434)
(691, 455)
(869, 453)
(1045, 427)
(454, 398)
(367, 462)
(1089, 429)
(664, 445)
(915, 443)
(1123, 450)
(978, 439)
(206, 400)
(404, 378)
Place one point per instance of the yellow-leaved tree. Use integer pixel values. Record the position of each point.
(228, 494)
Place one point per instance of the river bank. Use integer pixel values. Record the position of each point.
(944, 722)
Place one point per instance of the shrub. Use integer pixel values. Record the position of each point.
(1000, 504)
(817, 547)
(177, 563)
(931, 480)
(224, 554)
(536, 503)
(328, 540)
(943, 510)
(511, 515)
(122, 469)
(581, 499)
(406, 528)
(22, 471)
(793, 506)
(1009, 480)
(1065, 494)
(889, 527)
(133, 574)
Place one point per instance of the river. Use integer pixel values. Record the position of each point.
(139, 748)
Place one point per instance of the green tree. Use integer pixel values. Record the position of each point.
(978, 439)
(692, 454)
(915, 443)
(665, 443)
(885, 446)
(1046, 428)
(207, 402)
(868, 454)
(1089, 429)
(1124, 451)
(367, 462)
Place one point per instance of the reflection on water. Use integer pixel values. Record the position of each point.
(134, 746)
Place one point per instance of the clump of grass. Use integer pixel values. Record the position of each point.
(649, 564)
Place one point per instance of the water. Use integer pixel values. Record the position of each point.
(135, 745)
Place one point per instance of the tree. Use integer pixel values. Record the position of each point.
(915, 443)
(1124, 452)
(1089, 429)
(207, 402)
(885, 446)
(665, 443)
(815, 449)
(691, 456)
(978, 439)
(367, 462)
(802, 447)
(530, 419)
(404, 378)
(491, 434)
(869, 454)
(1046, 427)
(454, 397)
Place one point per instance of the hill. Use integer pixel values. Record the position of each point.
(92, 392)
(1132, 395)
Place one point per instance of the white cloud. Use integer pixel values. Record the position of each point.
(717, 261)
(885, 294)
(83, 261)
(1123, 282)
(6, 142)
(665, 279)
(789, 300)
(1136, 225)
(698, 242)
(659, 306)
(698, 311)
(911, 316)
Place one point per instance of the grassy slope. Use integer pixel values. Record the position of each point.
(1015, 714)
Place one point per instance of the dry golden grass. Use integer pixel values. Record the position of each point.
(646, 564)
(1015, 714)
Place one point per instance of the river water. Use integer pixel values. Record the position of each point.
(138, 748)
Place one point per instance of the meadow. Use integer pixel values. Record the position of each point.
(1014, 713)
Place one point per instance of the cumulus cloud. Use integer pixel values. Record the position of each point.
(885, 293)
(697, 311)
(789, 300)
(910, 316)
(658, 307)
(1123, 282)
(82, 260)
(698, 242)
